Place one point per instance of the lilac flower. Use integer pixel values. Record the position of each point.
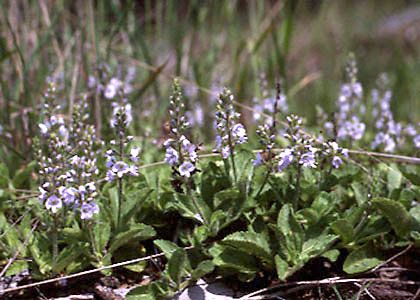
(68, 194)
(120, 168)
(336, 162)
(134, 154)
(112, 88)
(225, 152)
(53, 204)
(133, 170)
(91, 187)
(257, 111)
(190, 148)
(43, 194)
(258, 160)
(410, 130)
(308, 160)
(186, 168)
(286, 158)
(353, 129)
(239, 133)
(218, 142)
(87, 210)
(43, 128)
(416, 141)
(110, 176)
(171, 156)
(121, 114)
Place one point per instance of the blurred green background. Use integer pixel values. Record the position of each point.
(305, 43)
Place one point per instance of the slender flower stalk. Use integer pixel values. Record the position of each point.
(347, 125)
(120, 164)
(267, 134)
(229, 131)
(181, 153)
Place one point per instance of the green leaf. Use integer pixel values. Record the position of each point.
(250, 242)
(133, 204)
(102, 234)
(176, 265)
(323, 203)
(361, 259)
(141, 293)
(395, 213)
(67, 256)
(344, 229)
(187, 208)
(152, 291)
(394, 178)
(331, 255)
(40, 251)
(16, 267)
(137, 232)
(315, 246)
(415, 214)
(167, 247)
(114, 206)
(360, 192)
(203, 268)
(233, 260)
(281, 267)
(290, 232)
(213, 180)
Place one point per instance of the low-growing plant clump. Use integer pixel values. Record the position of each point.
(247, 192)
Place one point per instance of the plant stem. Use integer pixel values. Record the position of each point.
(298, 175)
(232, 155)
(55, 239)
(121, 135)
(272, 133)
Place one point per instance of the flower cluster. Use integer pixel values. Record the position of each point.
(118, 163)
(332, 152)
(181, 153)
(110, 87)
(306, 151)
(390, 133)
(229, 131)
(267, 131)
(269, 99)
(67, 160)
(118, 167)
(350, 106)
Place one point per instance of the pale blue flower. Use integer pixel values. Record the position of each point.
(171, 156)
(308, 160)
(186, 168)
(258, 160)
(225, 152)
(239, 133)
(87, 210)
(120, 168)
(336, 162)
(286, 158)
(54, 204)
